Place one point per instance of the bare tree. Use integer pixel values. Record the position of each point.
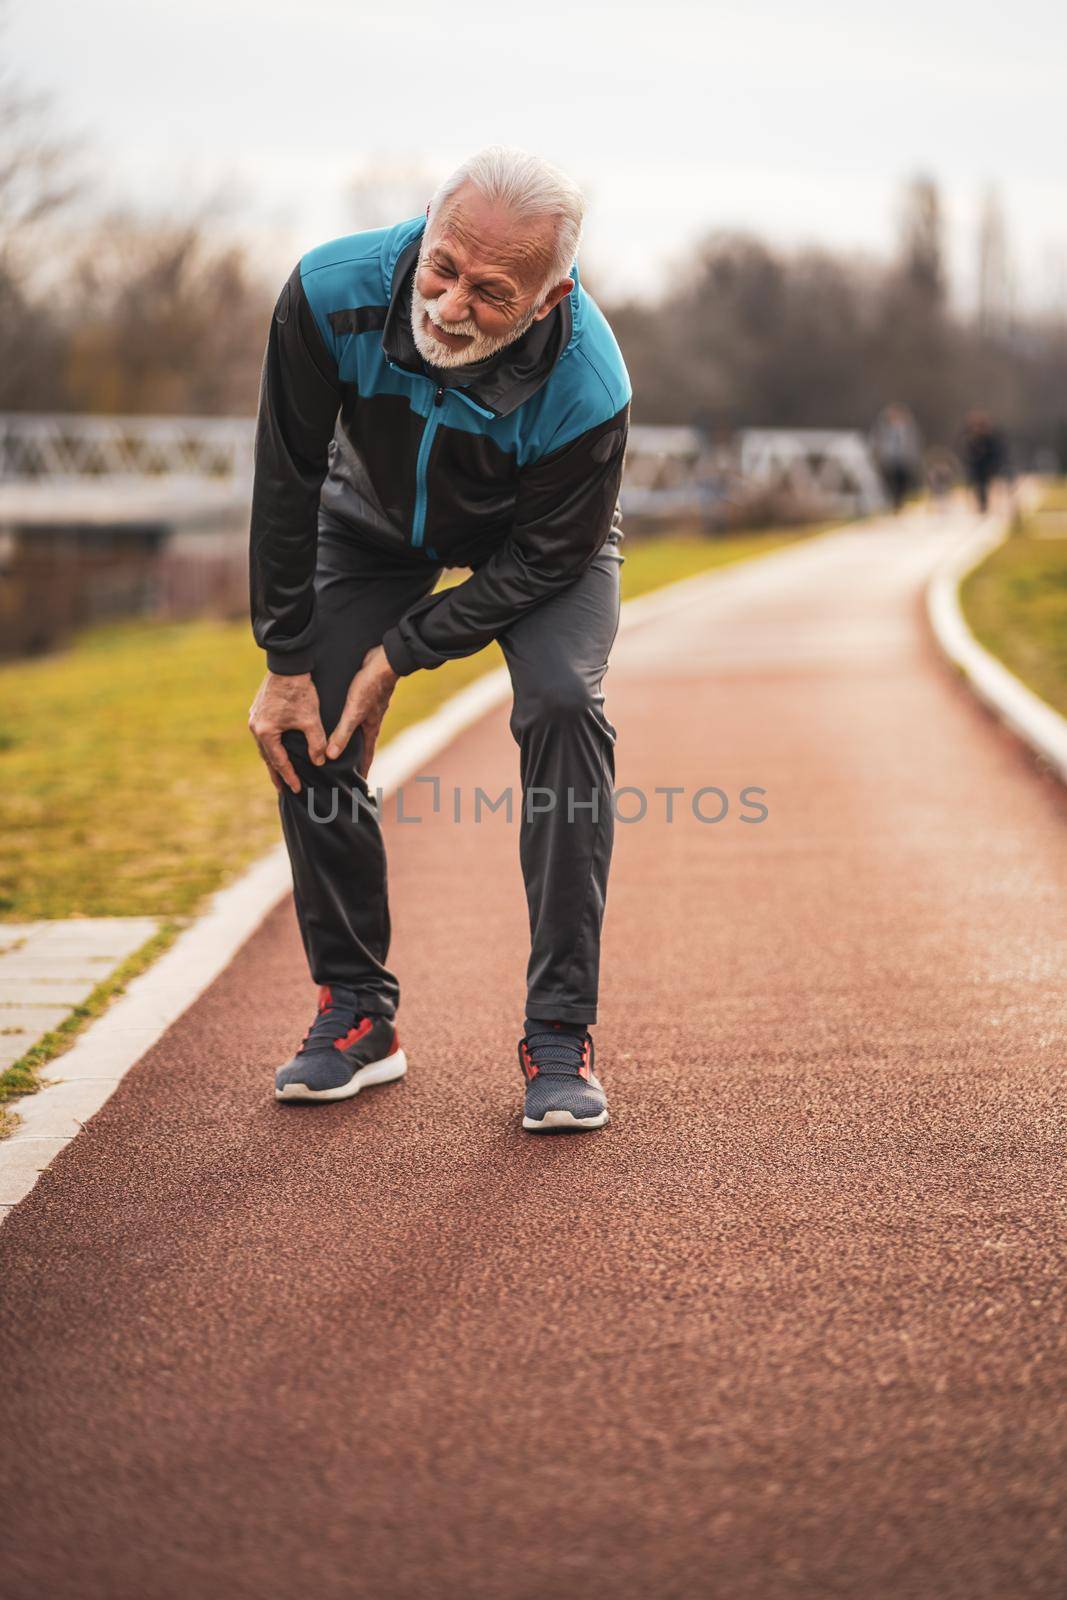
(36, 166)
(37, 179)
(994, 268)
(922, 250)
(164, 318)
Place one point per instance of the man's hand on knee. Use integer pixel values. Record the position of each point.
(286, 704)
(365, 706)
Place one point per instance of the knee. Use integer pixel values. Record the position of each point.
(340, 769)
(557, 700)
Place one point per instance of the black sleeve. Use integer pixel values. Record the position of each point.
(299, 398)
(565, 508)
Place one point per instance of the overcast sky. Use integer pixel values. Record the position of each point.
(796, 120)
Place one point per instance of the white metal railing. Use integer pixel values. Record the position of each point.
(35, 447)
(834, 465)
(672, 470)
(666, 468)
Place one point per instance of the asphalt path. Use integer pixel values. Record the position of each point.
(792, 1326)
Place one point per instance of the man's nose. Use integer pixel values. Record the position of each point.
(454, 305)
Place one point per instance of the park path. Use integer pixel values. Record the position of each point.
(793, 1326)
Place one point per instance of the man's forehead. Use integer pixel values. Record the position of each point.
(491, 240)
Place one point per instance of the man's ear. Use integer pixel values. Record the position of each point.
(554, 296)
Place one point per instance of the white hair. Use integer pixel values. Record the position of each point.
(529, 186)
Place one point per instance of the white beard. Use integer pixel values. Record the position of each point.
(437, 354)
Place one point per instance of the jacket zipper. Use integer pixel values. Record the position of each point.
(418, 521)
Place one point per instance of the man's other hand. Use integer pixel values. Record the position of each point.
(365, 706)
(284, 704)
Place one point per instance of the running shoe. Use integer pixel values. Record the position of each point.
(343, 1051)
(562, 1091)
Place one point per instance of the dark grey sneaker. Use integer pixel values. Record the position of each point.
(562, 1091)
(343, 1052)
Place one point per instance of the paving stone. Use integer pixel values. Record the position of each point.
(15, 1184)
(61, 1110)
(48, 965)
(95, 935)
(31, 1020)
(71, 1067)
(69, 992)
(34, 1152)
(49, 968)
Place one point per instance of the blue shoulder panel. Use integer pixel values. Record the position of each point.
(353, 271)
(341, 275)
(396, 241)
(589, 384)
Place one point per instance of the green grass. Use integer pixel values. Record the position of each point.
(1054, 497)
(131, 786)
(1016, 606)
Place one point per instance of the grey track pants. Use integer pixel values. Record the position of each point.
(557, 655)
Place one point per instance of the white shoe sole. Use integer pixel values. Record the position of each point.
(563, 1119)
(384, 1071)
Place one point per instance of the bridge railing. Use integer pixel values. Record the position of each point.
(674, 471)
(35, 447)
(669, 470)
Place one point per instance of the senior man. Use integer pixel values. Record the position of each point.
(442, 393)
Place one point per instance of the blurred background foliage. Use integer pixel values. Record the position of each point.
(105, 310)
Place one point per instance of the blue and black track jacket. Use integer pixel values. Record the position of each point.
(510, 467)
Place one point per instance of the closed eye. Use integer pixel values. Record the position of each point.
(492, 297)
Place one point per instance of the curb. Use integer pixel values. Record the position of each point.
(81, 1080)
(1029, 717)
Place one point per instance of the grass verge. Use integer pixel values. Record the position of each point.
(1015, 604)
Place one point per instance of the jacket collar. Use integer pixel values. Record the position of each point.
(503, 382)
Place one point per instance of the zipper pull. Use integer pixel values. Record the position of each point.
(438, 397)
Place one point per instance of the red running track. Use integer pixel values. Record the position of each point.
(793, 1326)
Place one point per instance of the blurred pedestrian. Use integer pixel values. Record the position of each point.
(897, 450)
(941, 470)
(984, 453)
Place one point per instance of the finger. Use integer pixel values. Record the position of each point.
(351, 717)
(316, 738)
(274, 778)
(370, 740)
(278, 757)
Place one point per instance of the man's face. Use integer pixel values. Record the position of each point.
(480, 281)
